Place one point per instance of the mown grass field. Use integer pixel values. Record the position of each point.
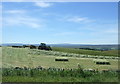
(87, 52)
(31, 58)
(13, 57)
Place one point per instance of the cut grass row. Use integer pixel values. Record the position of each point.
(12, 57)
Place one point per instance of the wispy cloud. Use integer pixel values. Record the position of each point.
(20, 18)
(76, 19)
(24, 21)
(16, 11)
(43, 4)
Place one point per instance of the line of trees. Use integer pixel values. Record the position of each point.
(42, 46)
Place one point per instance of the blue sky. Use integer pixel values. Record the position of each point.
(60, 22)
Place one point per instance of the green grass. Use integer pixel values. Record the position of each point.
(13, 75)
(96, 78)
(31, 58)
(12, 57)
(57, 79)
(88, 52)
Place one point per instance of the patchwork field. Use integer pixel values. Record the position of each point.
(25, 57)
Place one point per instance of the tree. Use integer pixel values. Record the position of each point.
(43, 46)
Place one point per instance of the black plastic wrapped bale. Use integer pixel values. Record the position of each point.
(61, 59)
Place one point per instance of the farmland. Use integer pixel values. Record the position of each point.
(87, 52)
(12, 57)
(32, 58)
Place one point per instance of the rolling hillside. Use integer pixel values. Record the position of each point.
(88, 52)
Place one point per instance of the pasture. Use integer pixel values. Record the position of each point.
(87, 52)
(53, 71)
(25, 57)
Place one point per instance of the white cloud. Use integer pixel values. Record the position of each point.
(20, 18)
(22, 21)
(43, 4)
(76, 19)
(16, 11)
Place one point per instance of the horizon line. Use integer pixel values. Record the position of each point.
(66, 43)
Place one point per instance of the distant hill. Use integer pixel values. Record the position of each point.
(107, 46)
(17, 44)
(12, 44)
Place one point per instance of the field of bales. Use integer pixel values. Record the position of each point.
(25, 57)
(32, 58)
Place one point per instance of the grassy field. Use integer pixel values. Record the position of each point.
(87, 52)
(59, 79)
(31, 58)
(12, 57)
(34, 75)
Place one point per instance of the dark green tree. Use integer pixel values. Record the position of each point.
(43, 46)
